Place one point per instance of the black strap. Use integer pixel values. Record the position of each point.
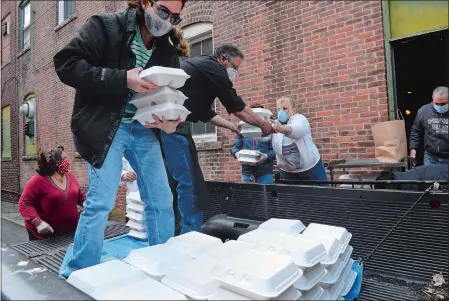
(366, 258)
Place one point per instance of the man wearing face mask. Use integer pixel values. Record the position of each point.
(102, 62)
(431, 127)
(211, 77)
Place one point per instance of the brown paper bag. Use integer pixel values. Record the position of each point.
(390, 141)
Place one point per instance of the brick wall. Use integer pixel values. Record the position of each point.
(327, 55)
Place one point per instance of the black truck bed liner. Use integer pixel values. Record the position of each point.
(415, 251)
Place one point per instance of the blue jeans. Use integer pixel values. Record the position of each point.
(263, 179)
(316, 173)
(141, 148)
(430, 159)
(179, 163)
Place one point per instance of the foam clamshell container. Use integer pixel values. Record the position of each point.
(168, 110)
(164, 76)
(157, 97)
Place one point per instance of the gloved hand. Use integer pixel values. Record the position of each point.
(44, 228)
(237, 155)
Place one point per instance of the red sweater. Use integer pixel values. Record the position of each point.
(43, 200)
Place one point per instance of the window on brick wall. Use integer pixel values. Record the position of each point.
(200, 37)
(6, 40)
(66, 9)
(6, 132)
(25, 24)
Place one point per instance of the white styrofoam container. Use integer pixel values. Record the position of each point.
(134, 197)
(346, 255)
(333, 247)
(333, 274)
(257, 275)
(222, 294)
(251, 133)
(157, 260)
(138, 234)
(136, 226)
(163, 76)
(313, 294)
(193, 278)
(250, 153)
(340, 233)
(157, 97)
(262, 113)
(256, 235)
(148, 289)
(133, 207)
(304, 252)
(348, 277)
(286, 226)
(135, 217)
(311, 277)
(227, 249)
(333, 291)
(195, 243)
(245, 159)
(101, 278)
(170, 111)
(290, 294)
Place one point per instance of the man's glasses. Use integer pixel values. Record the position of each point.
(164, 13)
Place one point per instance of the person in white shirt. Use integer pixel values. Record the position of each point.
(297, 156)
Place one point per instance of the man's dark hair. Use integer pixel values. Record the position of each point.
(229, 51)
(257, 106)
(137, 3)
(48, 160)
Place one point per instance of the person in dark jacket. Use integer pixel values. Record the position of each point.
(421, 173)
(262, 171)
(430, 129)
(102, 62)
(211, 77)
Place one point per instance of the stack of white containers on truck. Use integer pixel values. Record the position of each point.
(135, 212)
(166, 101)
(250, 131)
(274, 262)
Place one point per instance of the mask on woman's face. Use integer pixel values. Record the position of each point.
(283, 117)
(155, 24)
(63, 166)
(232, 73)
(441, 109)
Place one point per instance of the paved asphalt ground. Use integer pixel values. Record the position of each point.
(12, 228)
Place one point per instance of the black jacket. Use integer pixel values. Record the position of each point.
(432, 128)
(95, 62)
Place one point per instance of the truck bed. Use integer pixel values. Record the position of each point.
(399, 269)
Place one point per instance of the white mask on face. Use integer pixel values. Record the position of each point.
(155, 24)
(232, 73)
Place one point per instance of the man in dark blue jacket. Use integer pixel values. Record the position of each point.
(262, 171)
(430, 129)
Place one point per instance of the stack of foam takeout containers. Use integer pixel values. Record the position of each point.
(274, 262)
(164, 101)
(252, 131)
(135, 212)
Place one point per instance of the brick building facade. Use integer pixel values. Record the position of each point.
(327, 55)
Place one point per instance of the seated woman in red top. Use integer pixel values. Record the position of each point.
(49, 202)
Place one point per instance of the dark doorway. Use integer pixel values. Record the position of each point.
(420, 65)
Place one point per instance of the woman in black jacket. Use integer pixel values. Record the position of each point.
(102, 62)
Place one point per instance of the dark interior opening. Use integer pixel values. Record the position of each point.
(421, 65)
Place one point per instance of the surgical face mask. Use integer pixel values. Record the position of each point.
(155, 24)
(283, 117)
(441, 109)
(232, 73)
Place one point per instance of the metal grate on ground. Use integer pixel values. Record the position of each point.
(52, 245)
(378, 289)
